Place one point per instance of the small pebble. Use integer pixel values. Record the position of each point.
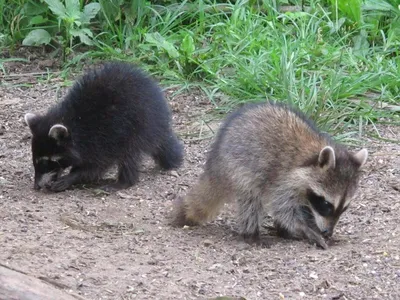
(174, 173)
(214, 266)
(207, 243)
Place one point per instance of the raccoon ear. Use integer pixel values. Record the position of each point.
(326, 158)
(58, 132)
(361, 156)
(30, 119)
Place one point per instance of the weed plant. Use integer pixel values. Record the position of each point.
(336, 62)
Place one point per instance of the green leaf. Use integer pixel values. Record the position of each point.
(57, 8)
(85, 39)
(83, 35)
(111, 9)
(32, 8)
(349, 8)
(187, 45)
(336, 25)
(37, 37)
(158, 40)
(37, 20)
(373, 5)
(87, 32)
(73, 9)
(393, 39)
(297, 15)
(361, 45)
(89, 12)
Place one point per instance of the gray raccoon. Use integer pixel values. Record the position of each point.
(272, 158)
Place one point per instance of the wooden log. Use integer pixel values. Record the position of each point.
(15, 285)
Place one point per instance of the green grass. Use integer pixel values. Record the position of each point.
(237, 54)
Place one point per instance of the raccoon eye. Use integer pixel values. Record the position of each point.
(323, 207)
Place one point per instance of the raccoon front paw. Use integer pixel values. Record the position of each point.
(318, 239)
(258, 242)
(59, 185)
(256, 239)
(321, 243)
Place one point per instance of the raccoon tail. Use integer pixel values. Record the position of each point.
(201, 204)
(170, 154)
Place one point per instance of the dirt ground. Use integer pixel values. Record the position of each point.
(120, 246)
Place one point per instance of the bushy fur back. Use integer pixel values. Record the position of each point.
(113, 115)
(112, 110)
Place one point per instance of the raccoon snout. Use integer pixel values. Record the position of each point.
(42, 181)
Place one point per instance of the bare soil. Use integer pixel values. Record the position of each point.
(121, 246)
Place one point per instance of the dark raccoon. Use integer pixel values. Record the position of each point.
(112, 115)
(271, 158)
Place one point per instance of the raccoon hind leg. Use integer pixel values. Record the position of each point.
(128, 173)
(250, 216)
(170, 154)
(202, 203)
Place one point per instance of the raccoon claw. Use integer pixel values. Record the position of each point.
(321, 243)
(59, 185)
(113, 187)
(108, 188)
(262, 243)
(316, 238)
(255, 239)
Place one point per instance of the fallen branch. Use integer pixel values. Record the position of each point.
(17, 285)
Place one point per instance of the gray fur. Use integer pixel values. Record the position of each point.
(271, 158)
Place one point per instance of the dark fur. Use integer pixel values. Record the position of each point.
(114, 115)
